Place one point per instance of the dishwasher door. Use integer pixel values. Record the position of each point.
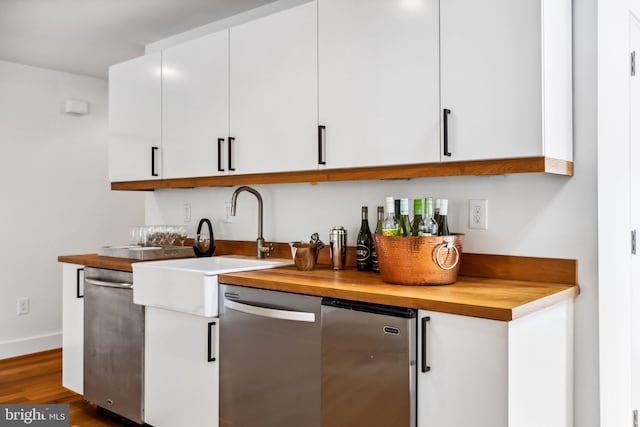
(113, 344)
(368, 365)
(269, 358)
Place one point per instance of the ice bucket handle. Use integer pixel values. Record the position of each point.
(448, 246)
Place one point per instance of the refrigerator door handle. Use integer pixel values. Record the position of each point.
(273, 313)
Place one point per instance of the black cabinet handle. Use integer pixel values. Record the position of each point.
(78, 295)
(220, 142)
(425, 367)
(445, 133)
(210, 358)
(321, 145)
(231, 141)
(153, 161)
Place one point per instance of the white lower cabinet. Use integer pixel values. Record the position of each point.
(489, 373)
(73, 327)
(181, 369)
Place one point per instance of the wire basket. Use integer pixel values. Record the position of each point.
(419, 260)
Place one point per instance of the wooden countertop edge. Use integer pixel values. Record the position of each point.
(503, 313)
(94, 260)
(322, 287)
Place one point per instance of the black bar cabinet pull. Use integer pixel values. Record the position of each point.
(220, 142)
(210, 357)
(153, 161)
(231, 140)
(321, 134)
(425, 367)
(78, 295)
(445, 133)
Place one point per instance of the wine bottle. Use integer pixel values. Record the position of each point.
(396, 210)
(390, 226)
(364, 243)
(417, 217)
(443, 226)
(431, 226)
(405, 224)
(436, 211)
(375, 265)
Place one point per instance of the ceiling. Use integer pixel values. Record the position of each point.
(86, 36)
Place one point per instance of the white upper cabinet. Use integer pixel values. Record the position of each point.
(135, 119)
(195, 112)
(379, 85)
(273, 92)
(506, 78)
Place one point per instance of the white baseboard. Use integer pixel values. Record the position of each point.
(30, 345)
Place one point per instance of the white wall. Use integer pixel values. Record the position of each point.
(529, 215)
(55, 196)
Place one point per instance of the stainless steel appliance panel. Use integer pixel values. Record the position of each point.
(368, 365)
(269, 358)
(113, 344)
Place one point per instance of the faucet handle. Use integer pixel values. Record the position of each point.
(267, 248)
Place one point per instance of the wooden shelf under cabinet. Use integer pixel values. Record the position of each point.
(424, 170)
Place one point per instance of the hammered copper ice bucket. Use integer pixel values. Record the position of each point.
(419, 260)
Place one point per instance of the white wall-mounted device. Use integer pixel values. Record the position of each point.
(76, 107)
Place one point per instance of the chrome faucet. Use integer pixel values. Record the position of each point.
(262, 249)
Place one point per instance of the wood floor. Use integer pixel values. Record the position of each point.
(37, 378)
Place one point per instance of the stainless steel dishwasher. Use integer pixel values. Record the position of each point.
(113, 344)
(269, 358)
(368, 365)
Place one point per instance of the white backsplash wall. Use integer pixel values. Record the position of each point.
(521, 221)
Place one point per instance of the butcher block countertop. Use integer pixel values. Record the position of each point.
(497, 299)
(495, 287)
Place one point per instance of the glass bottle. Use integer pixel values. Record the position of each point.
(390, 225)
(417, 217)
(396, 209)
(443, 226)
(431, 226)
(405, 224)
(364, 242)
(436, 211)
(375, 265)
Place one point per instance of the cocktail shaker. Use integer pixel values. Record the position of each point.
(338, 247)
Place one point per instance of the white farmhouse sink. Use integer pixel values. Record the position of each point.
(190, 285)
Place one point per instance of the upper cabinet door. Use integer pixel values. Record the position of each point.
(379, 85)
(273, 99)
(506, 78)
(195, 107)
(135, 119)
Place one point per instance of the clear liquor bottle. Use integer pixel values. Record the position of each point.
(390, 226)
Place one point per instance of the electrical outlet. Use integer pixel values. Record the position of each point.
(478, 214)
(187, 212)
(23, 306)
